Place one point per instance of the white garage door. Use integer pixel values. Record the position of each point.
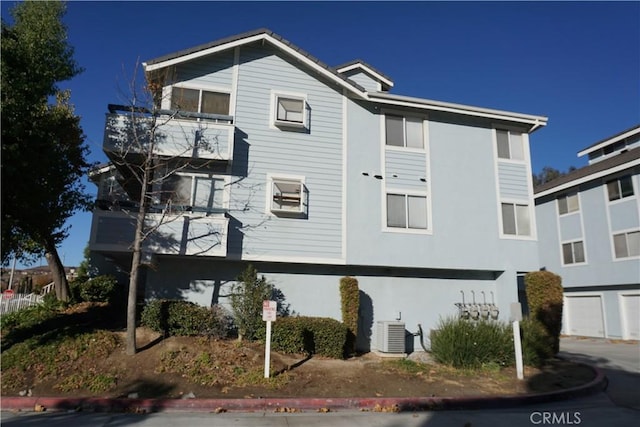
(630, 312)
(584, 316)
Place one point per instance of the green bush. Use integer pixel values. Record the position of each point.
(180, 318)
(313, 335)
(469, 344)
(350, 302)
(246, 299)
(544, 296)
(535, 342)
(98, 289)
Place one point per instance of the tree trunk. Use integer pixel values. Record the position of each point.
(57, 272)
(132, 302)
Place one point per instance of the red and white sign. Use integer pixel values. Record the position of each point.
(269, 309)
(8, 294)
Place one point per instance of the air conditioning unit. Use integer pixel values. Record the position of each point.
(391, 337)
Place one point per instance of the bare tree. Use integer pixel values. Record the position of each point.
(148, 145)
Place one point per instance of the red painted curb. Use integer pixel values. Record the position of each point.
(299, 404)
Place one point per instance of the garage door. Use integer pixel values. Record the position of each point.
(630, 312)
(584, 316)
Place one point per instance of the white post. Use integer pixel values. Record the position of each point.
(267, 351)
(518, 345)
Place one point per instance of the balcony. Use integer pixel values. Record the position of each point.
(206, 137)
(187, 234)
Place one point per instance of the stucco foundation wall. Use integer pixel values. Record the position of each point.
(412, 296)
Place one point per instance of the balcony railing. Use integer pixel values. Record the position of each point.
(187, 234)
(174, 134)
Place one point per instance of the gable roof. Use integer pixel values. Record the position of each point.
(353, 88)
(597, 170)
(610, 140)
(386, 81)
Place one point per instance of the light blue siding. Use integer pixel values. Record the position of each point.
(315, 155)
(210, 71)
(570, 227)
(624, 215)
(405, 170)
(513, 180)
(363, 79)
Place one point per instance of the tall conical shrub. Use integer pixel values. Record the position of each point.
(350, 303)
(544, 295)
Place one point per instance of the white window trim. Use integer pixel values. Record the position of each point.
(226, 192)
(404, 115)
(406, 230)
(168, 90)
(274, 123)
(613, 247)
(532, 227)
(525, 145)
(573, 264)
(566, 196)
(634, 196)
(271, 177)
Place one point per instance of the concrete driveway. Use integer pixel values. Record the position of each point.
(619, 360)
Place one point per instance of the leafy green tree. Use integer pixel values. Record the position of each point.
(549, 174)
(43, 151)
(246, 298)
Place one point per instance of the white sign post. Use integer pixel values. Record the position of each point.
(516, 317)
(269, 309)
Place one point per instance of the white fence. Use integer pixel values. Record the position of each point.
(19, 301)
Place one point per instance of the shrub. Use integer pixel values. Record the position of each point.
(246, 299)
(182, 318)
(465, 344)
(535, 342)
(98, 289)
(350, 302)
(544, 295)
(313, 335)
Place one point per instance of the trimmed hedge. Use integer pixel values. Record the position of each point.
(97, 289)
(313, 335)
(180, 318)
(544, 295)
(535, 342)
(350, 303)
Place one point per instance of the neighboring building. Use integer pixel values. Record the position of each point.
(320, 172)
(589, 233)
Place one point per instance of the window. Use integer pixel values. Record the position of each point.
(199, 101)
(193, 193)
(568, 204)
(620, 188)
(406, 211)
(627, 244)
(516, 219)
(404, 131)
(290, 111)
(510, 144)
(573, 252)
(287, 196)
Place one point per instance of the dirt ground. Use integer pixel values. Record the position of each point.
(206, 368)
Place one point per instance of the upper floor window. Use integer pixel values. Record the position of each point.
(568, 204)
(290, 111)
(287, 196)
(573, 252)
(199, 101)
(620, 188)
(510, 144)
(627, 244)
(406, 211)
(192, 193)
(404, 131)
(516, 219)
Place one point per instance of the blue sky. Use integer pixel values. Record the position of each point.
(577, 63)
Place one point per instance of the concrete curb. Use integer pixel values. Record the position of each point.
(380, 404)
